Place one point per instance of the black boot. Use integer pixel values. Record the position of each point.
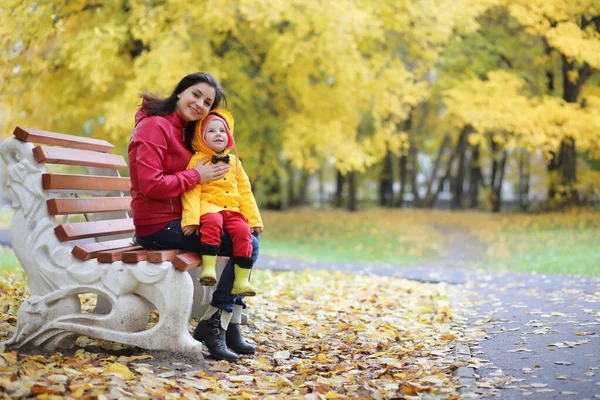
(212, 334)
(236, 342)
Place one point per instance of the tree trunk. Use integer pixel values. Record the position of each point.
(524, 174)
(303, 188)
(414, 185)
(338, 200)
(459, 179)
(494, 155)
(549, 72)
(475, 177)
(404, 161)
(292, 201)
(403, 174)
(436, 166)
(498, 190)
(273, 194)
(321, 175)
(352, 191)
(271, 187)
(566, 160)
(386, 182)
(498, 168)
(430, 201)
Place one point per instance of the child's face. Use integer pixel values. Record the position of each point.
(215, 135)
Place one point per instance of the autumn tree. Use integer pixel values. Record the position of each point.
(505, 42)
(570, 31)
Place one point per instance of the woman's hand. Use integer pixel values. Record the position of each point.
(190, 229)
(213, 172)
(257, 229)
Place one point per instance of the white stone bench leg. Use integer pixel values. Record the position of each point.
(171, 295)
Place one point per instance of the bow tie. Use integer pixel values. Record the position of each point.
(216, 159)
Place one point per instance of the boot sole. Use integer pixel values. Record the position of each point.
(223, 359)
(208, 281)
(246, 292)
(206, 354)
(238, 351)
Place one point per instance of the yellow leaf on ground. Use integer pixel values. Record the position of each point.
(120, 369)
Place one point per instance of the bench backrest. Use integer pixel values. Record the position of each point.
(97, 196)
(90, 196)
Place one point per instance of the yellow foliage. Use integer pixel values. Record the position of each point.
(500, 105)
(78, 67)
(299, 74)
(560, 23)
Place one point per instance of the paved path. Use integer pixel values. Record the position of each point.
(529, 335)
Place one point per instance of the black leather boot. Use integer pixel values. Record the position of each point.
(212, 334)
(235, 340)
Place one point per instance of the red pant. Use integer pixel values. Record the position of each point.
(211, 230)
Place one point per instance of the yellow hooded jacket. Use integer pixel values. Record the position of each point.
(231, 193)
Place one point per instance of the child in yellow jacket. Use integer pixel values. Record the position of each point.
(227, 203)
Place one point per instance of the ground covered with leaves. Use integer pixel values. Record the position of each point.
(320, 335)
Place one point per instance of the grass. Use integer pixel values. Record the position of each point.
(5, 217)
(375, 236)
(9, 263)
(560, 242)
(553, 251)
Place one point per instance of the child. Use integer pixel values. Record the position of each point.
(226, 203)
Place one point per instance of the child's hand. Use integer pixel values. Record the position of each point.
(190, 229)
(257, 229)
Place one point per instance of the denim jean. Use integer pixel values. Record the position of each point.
(171, 237)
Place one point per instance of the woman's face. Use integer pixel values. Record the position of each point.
(194, 102)
(215, 135)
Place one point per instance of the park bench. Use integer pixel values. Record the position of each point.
(90, 251)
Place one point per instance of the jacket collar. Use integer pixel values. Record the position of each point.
(176, 120)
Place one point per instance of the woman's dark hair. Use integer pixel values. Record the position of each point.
(155, 104)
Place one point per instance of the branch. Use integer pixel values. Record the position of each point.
(594, 20)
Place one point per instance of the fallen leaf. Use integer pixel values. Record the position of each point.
(120, 369)
(241, 378)
(281, 355)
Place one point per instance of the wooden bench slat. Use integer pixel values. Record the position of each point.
(111, 256)
(61, 206)
(88, 251)
(85, 182)
(158, 256)
(61, 139)
(186, 261)
(83, 230)
(59, 155)
(134, 256)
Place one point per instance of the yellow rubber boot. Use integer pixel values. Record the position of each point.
(208, 277)
(241, 283)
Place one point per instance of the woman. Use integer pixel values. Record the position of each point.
(157, 159)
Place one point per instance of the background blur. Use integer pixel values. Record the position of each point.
(375, 106)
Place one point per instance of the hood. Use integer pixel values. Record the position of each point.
(198, 143)
(140, 115)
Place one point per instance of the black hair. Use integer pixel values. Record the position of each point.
(155, 104)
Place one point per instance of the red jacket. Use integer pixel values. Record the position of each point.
(157, 161)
